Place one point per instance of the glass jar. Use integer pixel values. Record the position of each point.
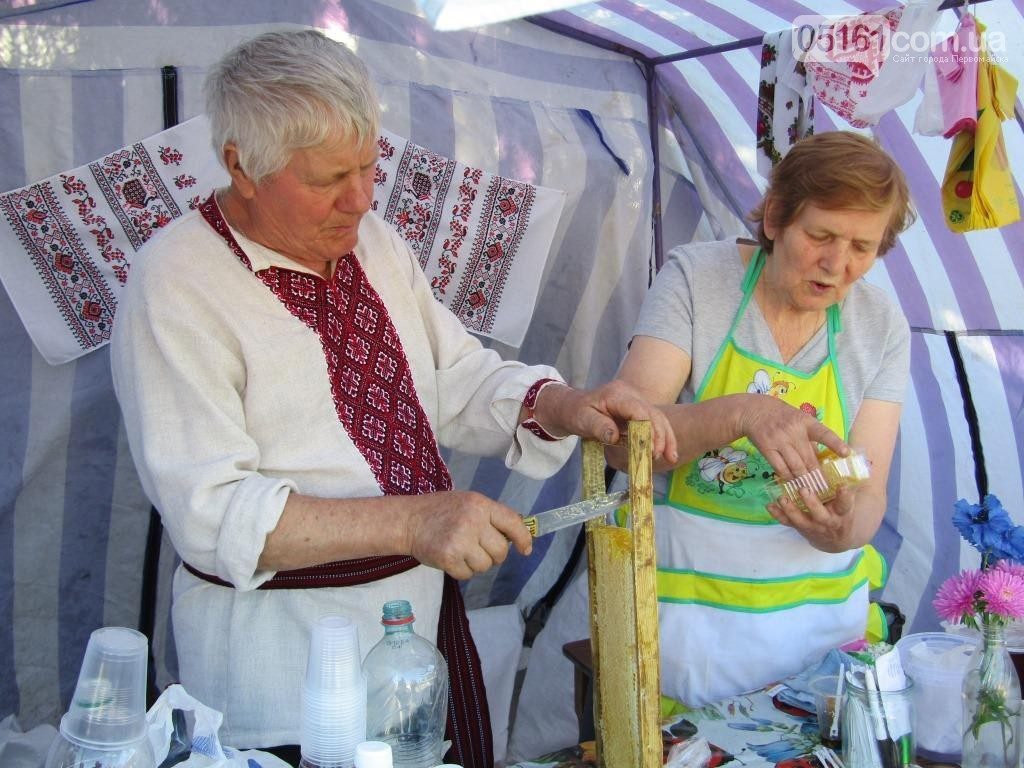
(992, 704)
(877, 726)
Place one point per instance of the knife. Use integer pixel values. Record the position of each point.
(555, 519)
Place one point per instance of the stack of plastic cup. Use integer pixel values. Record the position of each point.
(105, 724)
(333, 712)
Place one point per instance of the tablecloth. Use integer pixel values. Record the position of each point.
(760, 729)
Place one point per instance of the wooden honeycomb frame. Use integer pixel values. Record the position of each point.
(624, 613)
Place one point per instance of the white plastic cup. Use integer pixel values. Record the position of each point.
(373, 754)
(108, 709)
(333, 702)
(937, 662)
(334, 660)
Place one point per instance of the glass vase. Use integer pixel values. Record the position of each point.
(992, 705)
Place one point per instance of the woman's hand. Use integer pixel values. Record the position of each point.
(786, 436)
(828, 527)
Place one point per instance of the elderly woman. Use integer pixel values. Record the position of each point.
(774, 347)
(287, 378)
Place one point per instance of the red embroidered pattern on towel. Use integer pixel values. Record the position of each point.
(77, 288)
(414, 208)
(135, 192)
(373, 391)
(424, 178)
(506, 213)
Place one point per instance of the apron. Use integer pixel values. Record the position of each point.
(743, 600)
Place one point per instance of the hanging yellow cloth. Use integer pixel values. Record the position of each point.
(977, 189)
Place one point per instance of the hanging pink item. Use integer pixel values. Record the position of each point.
(956, 65)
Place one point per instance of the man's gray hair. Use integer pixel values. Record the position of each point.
(284, 91)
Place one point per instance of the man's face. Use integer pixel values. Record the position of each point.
(310, 210)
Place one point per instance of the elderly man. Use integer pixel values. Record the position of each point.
(287, 378)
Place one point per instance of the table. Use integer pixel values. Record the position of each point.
(759, 729)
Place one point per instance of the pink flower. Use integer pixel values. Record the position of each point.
(955, 598)
(1003, 592)
(1010, 567)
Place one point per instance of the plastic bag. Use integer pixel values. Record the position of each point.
(204, 747)
(692, 753)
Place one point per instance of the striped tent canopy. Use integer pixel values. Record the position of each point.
(567, 100)
(962, 432)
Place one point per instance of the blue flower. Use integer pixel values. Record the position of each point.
(988, 528)
(1013, 545)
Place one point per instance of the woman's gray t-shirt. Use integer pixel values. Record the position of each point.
(699, 289)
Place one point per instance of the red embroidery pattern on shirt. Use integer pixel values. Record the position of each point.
(505, 217)
(76, 286)
(414, 208)
(371, 383)
(135, 192)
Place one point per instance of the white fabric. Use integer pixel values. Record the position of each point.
(901, 72)
(928, 118)
(840, 78)
(228, 408)
(791, 110)
(67, 242)
(498, 634)
(482, 239)
(24, 749)
(545, 718)
(709, 653)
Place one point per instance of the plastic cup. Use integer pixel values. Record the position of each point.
(333, 705)
(109, 706)
(373, 754)
(334, 661)
(937, 662)
(824, 690)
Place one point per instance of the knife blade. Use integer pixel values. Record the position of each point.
(553, 520)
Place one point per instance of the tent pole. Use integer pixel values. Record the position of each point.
(651, 76)
(154, 534)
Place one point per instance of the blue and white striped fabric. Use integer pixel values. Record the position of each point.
(80, 80)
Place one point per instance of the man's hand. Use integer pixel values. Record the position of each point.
(463, 532)
(602, 413)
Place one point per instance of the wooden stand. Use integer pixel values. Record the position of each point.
(624, 614)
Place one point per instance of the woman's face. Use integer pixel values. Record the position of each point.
(821, 253)
(311, 209)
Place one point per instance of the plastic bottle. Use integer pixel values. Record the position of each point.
(835, 472)
(406, 691)
(105, 725)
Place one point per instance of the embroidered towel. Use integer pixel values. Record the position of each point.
(67, 242)
(785, 102)
(842, 80)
